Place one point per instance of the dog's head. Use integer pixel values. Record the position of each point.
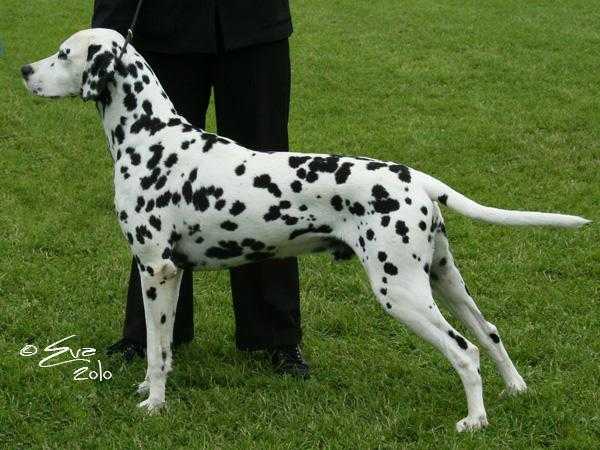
(83, 65)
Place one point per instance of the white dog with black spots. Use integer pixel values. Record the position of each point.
(188, 198)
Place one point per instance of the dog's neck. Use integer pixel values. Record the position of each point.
(133, 105)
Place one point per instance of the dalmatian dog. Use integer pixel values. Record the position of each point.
(188, 198)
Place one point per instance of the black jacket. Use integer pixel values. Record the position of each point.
(184, 26)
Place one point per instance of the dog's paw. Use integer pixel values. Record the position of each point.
(143, 387)
(514, 388)
(152, 405)
(472, 423)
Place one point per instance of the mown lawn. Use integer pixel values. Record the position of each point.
(499, 99)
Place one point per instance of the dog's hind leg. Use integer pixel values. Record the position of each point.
(448, 284)
(160, 288)
(413, 305)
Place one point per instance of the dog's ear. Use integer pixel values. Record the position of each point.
(99, 70)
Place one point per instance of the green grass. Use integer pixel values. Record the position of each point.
(498, 99)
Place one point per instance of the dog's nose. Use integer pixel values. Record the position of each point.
(26, 70)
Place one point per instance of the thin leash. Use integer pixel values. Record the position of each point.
(129, 36)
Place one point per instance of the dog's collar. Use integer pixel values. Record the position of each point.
(129, 36)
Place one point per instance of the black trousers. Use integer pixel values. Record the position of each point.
(252, 96)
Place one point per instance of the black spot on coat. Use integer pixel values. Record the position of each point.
(401, 228)
(264, 182)
(239, 170)
(163, 199)
(357, 209)
(383, 204)
(171, 160)
(336, 202)
(147, 181)
(374, 165)
(459, 339)
(237, 208)
(402, 171)
(141, 233)
(157, 152)
(155, 222)
(342, 174)
(297, 161)
(390, 269)
(229, 225)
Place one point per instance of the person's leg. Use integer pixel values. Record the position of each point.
(252, 96)
(266, 304)
(185, 79)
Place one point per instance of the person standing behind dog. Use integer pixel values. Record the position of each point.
(240, 50)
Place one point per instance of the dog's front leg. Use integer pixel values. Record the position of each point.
(160, 287)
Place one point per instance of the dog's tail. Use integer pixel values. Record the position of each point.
(438, 191)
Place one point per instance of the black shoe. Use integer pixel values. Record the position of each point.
(128, 348)
(289, 360)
